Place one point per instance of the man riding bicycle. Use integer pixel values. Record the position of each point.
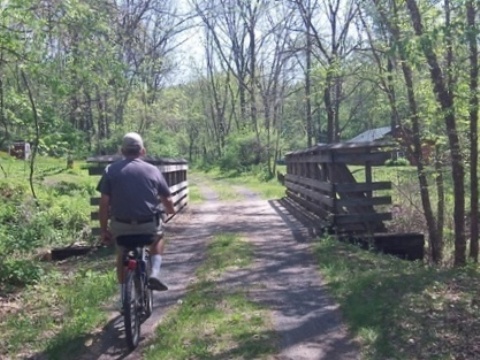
(131, 192)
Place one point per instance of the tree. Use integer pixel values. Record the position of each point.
(445, 98)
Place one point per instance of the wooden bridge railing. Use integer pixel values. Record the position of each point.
(321, 187)
(319, 179)
(174, 170)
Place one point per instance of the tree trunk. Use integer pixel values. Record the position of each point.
(473, 115)
(437, 247)
(433, 235)
(446, 100)
(327, 98)
(308, 89)
(392, 98)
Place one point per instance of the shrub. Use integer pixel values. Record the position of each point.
(397, 162)
(242, 152)
(20, 272)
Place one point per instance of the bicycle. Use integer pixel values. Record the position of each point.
(137, 297)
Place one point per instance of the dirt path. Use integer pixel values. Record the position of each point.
(283, 277)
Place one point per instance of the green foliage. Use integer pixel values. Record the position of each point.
(162, 143)
(20, 272)
(242, 152)
(397, 162)
(61, 217)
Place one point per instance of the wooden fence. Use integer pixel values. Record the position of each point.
(320, 181)
(174, 170)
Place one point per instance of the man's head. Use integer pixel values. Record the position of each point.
(132, 145)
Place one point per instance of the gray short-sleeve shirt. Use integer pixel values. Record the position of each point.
(133, 186)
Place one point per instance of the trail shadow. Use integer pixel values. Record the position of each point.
(284, 278)
(109, 340)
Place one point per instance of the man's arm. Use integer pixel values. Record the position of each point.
(103, 217)
(168, 204)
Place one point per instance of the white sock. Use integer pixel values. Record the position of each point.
(156, 263)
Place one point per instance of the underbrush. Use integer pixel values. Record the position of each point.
(45, 307)
(58, 216)
(27, 229)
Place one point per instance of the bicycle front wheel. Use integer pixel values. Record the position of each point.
(131, 306)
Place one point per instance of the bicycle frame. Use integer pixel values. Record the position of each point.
(136, 295)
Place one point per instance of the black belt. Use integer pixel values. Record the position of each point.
(135, 221)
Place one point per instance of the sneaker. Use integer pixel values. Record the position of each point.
(156, 284)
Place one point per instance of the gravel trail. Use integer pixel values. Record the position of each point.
(283, 276)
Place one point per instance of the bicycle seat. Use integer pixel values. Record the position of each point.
(137, 240)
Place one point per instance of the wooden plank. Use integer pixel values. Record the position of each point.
(98, 169)
(317, 210)
(338, 147)
(374, 159)
(379, 200)
(368, 177)
(310, 193)
(176, 198)
(95, 201)
(317, 184)
(95, 170)
(178, 208)
(102, 159)
(362, 187)
(361, 218)
(178, 187)
(94, 215)
(345, 177)
(172, 168)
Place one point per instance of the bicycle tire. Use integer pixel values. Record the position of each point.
(131, 313)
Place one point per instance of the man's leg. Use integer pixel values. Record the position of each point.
(156, 252)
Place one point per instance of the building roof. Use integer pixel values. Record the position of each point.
(372, 135)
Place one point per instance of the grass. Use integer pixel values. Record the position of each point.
(222, 183)
(400, 309)
(214, 322)
(56, 315)
(194, 194)
(224, 191)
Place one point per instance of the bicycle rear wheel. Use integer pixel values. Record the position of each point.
(131, 306)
